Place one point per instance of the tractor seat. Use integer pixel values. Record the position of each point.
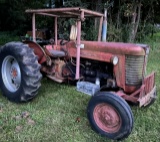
(57, 53)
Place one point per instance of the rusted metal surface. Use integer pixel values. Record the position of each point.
(101, 51)
(54, 71)
(71, 13)
(147, 49)
(130, 98)
(52, 10)
(52, 77)
(110, 47)
(104, 52)
(145, 100)
(91, 12)
(119, 71)
(82, 16)
(114, 47)
(65, 12)
(131, 89)
(144, 94)
(37, 50)
(59, 64)
(79, 12)
(47, 14)
(50, 70)
(55, 47)
(149, 92)
(149, 82)
(88, 54)
(78, 44)
(107, 118)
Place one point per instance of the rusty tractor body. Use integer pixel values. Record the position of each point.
(113, 73)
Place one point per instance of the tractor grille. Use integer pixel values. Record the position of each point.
(134, 68)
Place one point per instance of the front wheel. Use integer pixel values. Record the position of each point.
(20, 72)
(110, 116)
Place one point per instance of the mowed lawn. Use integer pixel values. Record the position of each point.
(58, 114)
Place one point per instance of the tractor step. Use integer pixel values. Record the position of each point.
(87, 87)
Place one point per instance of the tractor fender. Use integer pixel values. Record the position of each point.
(38, 50)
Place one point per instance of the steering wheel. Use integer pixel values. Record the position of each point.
(64, 41)
(51, 41)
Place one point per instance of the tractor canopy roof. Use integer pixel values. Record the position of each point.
(66, 12)
(73, 12)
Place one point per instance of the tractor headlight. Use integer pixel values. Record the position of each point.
(114, 60)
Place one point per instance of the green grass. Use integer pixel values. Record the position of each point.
(58, 114)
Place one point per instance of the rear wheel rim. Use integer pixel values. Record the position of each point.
(107, 118)
(11, 73)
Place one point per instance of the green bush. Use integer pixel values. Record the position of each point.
(8, 37)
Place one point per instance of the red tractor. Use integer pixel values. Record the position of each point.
(113, 73)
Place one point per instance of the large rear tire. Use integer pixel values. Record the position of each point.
(110, 116)
(19, 72)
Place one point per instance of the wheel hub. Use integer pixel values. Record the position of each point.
(107, 118)
(11, 74)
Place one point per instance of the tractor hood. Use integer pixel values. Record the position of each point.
(114, 47)
(104, 51)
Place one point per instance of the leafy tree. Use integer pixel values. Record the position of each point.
(12, 13)
(126, 18)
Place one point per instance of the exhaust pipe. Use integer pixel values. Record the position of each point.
(104, 26)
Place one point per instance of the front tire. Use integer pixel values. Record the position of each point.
(110, 116)
(20, 72)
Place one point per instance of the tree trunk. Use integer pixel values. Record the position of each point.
(135, 21)
(98, 8)
(118, 19)
(118, 23)
(138, 19)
